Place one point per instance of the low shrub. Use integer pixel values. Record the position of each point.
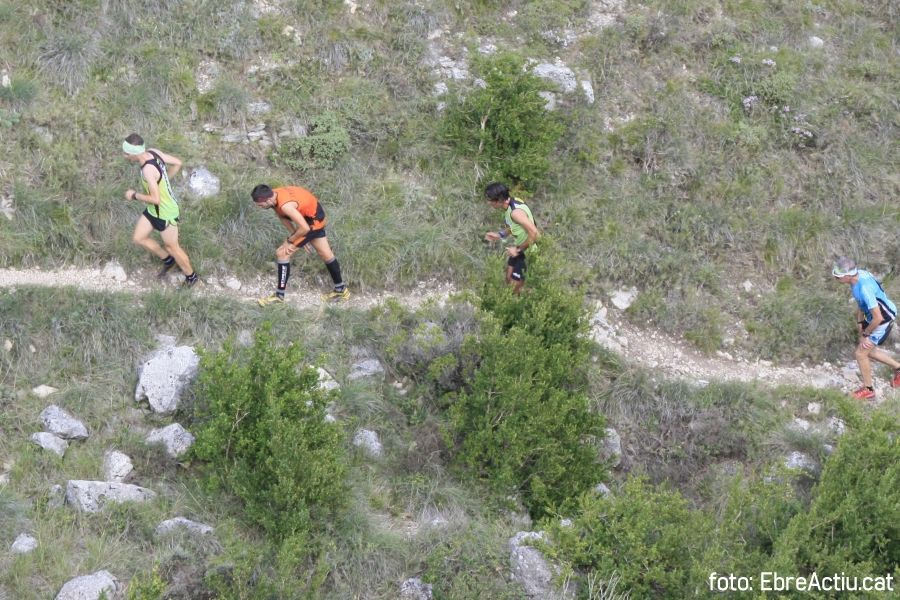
(522, 422)
(261, 430)
(853, 522)
(504, 125)
(325, 142)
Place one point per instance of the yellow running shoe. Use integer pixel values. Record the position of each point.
(333, 295)
(273, 299)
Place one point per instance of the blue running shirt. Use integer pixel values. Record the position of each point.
(868, 294)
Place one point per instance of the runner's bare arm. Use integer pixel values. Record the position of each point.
(173, 163)
(301, 226)
(149, 173)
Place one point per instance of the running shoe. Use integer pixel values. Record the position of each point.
(165, 270)
(335, 295)
(191, 281)
(863, 393)
(895, 382)
(273, 299)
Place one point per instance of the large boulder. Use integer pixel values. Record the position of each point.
(532, 570)
(90, 587)
(92, 496)
(59, 422)
(174, 437)
(164, 376)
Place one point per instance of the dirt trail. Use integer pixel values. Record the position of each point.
(664, 354)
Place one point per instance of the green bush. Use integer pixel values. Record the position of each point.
(326, 141)
(522, 422)
(147, 586)
(260, 425)
(647, 535)
(504, 125)
(853, 522)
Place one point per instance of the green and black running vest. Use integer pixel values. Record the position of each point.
(520, 235)
(167, 210)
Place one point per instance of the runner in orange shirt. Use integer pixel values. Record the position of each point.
(304, 218)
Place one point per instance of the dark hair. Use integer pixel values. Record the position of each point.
(497, 192)
(135, 140)
(261, 192)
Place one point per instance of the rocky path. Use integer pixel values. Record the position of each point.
(669, 356)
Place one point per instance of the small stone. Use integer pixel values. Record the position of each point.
(4, 479)
(232, 283)
(8, 345)
(23, 544)
(42, 391)
(735, 59)
(369, 442)
(800, 425)
(116, 466)
(801, 462)
(414, 589)
(747, 285)
(50, 442)
(622, 299)
(550, 100)
(836, 425)
(202, 183)
(171, 525)
(768, 62)
(113, 270)
(176, 439)
(816, 42)
(61, 423)
(565, 522)
(588, 90)
(56, 496)
(92, 496)
(366, 368)
(813, 408)
(440, 89)
(32, 349)
(326, 381)
(90, 587)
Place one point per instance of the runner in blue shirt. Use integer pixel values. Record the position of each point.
(875, 316)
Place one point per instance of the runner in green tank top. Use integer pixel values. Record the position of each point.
(161, 213)
(518, 222)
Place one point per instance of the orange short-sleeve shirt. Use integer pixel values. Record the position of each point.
(307, 205)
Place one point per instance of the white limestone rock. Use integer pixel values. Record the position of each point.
(202, 183)
(622, 299)
(366, 368)
(176, 439)
(164, 376)
(50, 442)
(532, 570)
(557, 73)
(415, 589)
(41, 391)
(59, 422)
(116, 466)
(97, 585)
(113, 270)
(92, 496)
(171, 525)
(23, 544)
(368, 441)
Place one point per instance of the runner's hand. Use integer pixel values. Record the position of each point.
(492, 236)
(128, 194)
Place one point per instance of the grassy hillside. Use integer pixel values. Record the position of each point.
(723, 145)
